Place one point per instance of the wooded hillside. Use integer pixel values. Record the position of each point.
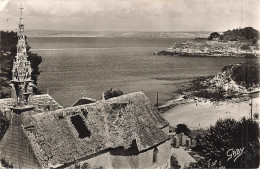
(241, 34)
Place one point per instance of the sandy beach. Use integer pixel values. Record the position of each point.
(205, 113)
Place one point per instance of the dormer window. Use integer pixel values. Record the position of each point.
(80, 126)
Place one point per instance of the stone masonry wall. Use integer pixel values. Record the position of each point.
(145, 159)
(150, 159)
(141, 160)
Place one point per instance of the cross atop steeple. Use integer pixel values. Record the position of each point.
(21, 25)
(21, 16)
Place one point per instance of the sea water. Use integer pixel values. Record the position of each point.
(87, 66)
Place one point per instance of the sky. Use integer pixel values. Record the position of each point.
(131, 15)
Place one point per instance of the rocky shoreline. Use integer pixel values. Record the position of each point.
(216, 54)
(206, 48)
(221, 87)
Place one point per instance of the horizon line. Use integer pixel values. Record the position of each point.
(108, 30)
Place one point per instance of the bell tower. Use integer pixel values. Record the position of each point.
(21, 73)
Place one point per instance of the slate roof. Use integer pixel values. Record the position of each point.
(45, 99)
(113, 123)
(39, 101)
(83, 100)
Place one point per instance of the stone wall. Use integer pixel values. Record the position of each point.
(119, 158)
(156, 158)
(102, 160)
(181, 140)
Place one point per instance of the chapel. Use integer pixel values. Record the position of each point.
(120, 132)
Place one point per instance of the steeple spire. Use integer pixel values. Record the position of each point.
(21, 25)
(21, 78)
(21, 16)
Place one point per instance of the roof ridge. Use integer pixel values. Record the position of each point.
(125, 95)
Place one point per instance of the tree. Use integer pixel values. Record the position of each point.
(182, 128)
(213, 35)
(198, 146)
(8, 46)
(227, 135)
(221, 37)
(113, 93)
(246, 73)
(247, 33)
(250, 33)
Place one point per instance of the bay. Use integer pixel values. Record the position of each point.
(87, 66)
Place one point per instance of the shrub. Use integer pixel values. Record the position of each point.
(213, 35)
(113, 93)
(246, 73)
(230, 134)
(182, 128)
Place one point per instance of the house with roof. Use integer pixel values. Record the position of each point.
(121, 132)
(84, 100)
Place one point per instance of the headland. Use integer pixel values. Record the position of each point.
(231, 43)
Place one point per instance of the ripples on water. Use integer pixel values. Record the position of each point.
(74, 66)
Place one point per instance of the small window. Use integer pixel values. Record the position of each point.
(80, 126)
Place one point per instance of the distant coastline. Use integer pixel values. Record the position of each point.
(126, 34)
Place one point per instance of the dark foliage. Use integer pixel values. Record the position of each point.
(197, 85)
(244, 34)
(180, 91)
(215, 95)
(8, 41)
(198, 147)
(221, 37)
(247, 73)
(200, 87)
(245, 47)
(113, 93)
(182, 128)
(35, 60)
(230, 134)
(213, 35)
(247, 33)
